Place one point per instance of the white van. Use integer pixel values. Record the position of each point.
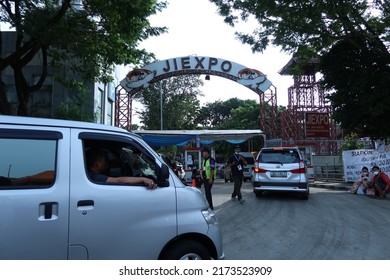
(50, 209)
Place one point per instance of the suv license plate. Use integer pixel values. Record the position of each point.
(278, 173)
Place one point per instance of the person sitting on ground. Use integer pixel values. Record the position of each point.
(360, 186)
(96, 164)
(380, 182)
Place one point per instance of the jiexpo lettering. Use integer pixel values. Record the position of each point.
(317, 119)
(184, 63)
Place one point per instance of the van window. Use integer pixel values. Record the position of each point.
(27, 163)
(122, 159)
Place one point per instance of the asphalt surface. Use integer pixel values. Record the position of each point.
(331, 225)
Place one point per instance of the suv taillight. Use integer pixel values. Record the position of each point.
(301, 168)
(259, 170)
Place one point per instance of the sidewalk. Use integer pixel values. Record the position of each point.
(342, 186)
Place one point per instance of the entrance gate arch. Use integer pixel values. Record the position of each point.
(253, 79)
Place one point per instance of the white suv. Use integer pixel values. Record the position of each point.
(280, 169)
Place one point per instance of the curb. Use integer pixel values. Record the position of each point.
(331, 185)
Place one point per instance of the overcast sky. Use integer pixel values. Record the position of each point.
(195, 28)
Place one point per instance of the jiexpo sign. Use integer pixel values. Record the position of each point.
(141, 78)
(317, 125)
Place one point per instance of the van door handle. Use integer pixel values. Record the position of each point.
(48, 211)
(85, 204)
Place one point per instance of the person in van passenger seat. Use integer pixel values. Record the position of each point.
(96, 163)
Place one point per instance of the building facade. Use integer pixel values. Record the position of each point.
(98, 100)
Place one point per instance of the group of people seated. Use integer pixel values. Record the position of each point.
(373, 184)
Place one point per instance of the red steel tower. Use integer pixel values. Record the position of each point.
(307, 120)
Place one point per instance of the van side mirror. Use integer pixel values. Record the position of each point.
(163, 176)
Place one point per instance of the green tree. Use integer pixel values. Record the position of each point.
(309, 24)
(320, 28)
(362, 80)
(214, 114)
(179, 99)
(245, 116)
(86, 39)
(351, 142)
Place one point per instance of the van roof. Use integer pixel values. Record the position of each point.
(17, 120)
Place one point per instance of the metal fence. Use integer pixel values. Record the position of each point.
(329, 173)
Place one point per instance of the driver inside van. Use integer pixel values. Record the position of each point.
(96, 164)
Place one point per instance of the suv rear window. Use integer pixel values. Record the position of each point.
(279, 156)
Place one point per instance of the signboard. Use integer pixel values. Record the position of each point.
(354, 160)
(141, 78)
(317, 125)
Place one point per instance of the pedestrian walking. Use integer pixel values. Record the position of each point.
(208, 174)
(237, 163)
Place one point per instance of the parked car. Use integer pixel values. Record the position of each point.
(50, 208)
(227, 174)
(221, 171)
(280, 169)
(250, 160)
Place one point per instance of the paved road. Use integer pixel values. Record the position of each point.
(331, 225)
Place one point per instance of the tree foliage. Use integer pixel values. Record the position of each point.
(179, 99)
(344, 33)
(215, 114)
(245, 116)
(361, 76)
(311, 24)
(351, 142)
(86, 39)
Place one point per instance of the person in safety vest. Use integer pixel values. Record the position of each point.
(208, 173)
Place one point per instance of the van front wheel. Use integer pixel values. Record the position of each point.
(187, 250)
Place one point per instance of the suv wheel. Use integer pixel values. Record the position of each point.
(258, 193)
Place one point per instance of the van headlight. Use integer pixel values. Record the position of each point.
(210, 217)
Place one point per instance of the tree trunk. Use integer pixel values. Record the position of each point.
(5, 107)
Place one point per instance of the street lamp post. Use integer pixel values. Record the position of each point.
(161, 106)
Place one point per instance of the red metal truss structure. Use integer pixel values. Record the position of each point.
(268, 113)
(123, 108)
(304, 96)
(267, 104)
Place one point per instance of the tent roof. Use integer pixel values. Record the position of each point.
(174, 137)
